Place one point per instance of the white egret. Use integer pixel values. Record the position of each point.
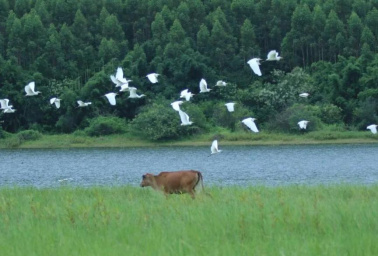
(30, 89)
(221, 83)
(153, 77)
(304, 95)
(176, 105)
(372, 128)
(184, 118)
(230, 106)
(55, 101)
(249, 122)
(124, 87)
(133, 93)
(255, 65)
(111, 97)
(186, 94)
(273, 55)
(119, 79)
(83, 104)
(203, 86)
(303, 124)
(5, 104)
(9, 110)
(214, 148)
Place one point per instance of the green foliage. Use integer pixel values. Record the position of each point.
(27, 135)
(106, 125)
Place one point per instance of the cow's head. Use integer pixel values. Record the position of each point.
(147, 180)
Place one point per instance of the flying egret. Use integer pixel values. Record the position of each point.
(119, 79)
(303, 124)
(372, 128)
(55, 101)
(184, 118)
(273, 55)
(9, 110)
(214, 148)
(304, 95)
(186, 94)
(221, 83)
(30, 89)
(230, 106)
(124, 87)
(249, 122)
(254, 64)
(111, 98)
(153, 77)
(176, 105)
(83, 104)
(133, 93)
(5, 104)
(203, 86)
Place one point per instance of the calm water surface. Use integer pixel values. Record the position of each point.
(235, 165)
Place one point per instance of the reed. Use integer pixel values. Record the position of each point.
(292, 220)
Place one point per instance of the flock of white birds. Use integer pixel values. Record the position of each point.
(120, 81)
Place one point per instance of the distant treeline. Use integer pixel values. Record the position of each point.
(71, 47)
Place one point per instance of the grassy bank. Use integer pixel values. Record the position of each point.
(225, 138)
(335, 220)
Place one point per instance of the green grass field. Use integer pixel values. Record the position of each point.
(293, 220)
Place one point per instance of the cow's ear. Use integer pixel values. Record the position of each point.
(144, 176)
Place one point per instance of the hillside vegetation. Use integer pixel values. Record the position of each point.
(70, 48)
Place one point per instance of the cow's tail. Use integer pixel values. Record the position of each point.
(200, 179)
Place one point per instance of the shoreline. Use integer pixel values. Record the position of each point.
(125, 141)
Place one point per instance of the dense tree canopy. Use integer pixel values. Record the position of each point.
(71, 47)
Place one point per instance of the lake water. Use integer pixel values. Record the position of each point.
(235, 165)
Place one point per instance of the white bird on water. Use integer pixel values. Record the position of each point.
(153, 77)
(83, 104)
(30, 89)
(221, 83)
(186, 94)
(111, 97)
(55, 101)
(133, 93)
(214, 148)
(203, 86)
(184, 118)
(249, 122)
(255, 65)
(176, 105)
(230, 106)
(119, 79)
(304, 95)
(372, 128)
(303, 124)
(273, 56)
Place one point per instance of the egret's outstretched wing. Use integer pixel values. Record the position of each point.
(255, 66)
(230, 106)
(176, 105)
(249, 122)
(153, 77)
(184, 118)
(111, 98)
(203, 86)
(303, 124)
(372, 128)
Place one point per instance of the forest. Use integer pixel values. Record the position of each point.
(69, 48)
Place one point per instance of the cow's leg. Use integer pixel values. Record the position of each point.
(192, 194)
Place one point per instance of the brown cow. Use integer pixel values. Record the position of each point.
(174, 182)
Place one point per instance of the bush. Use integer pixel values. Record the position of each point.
(106, 125)
(287, 121)
(29, 135)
